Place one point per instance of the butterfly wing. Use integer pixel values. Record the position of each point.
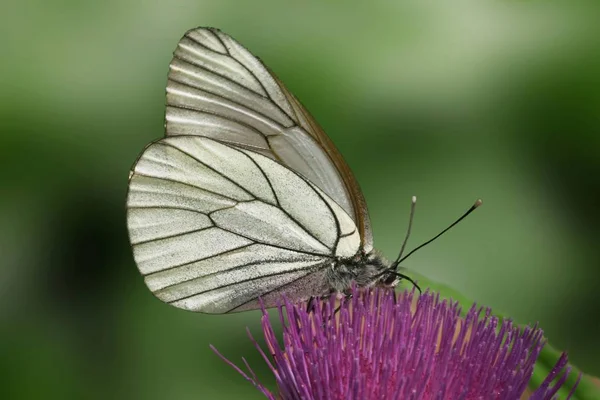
(217, 88)
(215, 226)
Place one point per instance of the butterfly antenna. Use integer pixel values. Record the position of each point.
(410, 222)
(469, 211)
(408, 278)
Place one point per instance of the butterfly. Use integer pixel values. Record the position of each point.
(245, 197)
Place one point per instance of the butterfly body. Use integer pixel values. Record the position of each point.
(245, 196)
(364, 270)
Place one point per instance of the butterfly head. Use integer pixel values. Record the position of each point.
(364, 270)
(388, 275)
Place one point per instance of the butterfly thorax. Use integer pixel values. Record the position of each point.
(364, 269)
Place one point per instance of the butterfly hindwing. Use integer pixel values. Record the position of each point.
(213, 227)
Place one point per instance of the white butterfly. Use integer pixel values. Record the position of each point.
(246, 196)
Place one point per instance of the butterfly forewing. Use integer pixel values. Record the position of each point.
(217, 88)
(213, 227)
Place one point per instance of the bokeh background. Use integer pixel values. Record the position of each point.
(449, 102)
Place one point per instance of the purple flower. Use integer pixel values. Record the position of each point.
(383, 346)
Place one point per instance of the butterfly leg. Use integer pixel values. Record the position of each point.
(347, 296)
(310, 305)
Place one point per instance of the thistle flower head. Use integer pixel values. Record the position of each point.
(382, 346)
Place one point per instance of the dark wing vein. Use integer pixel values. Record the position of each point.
(206, 47)
(348, 234)
(165, 208)
(212, 169)
(276, 289)
(246, 280)
(268, 244)
(243, 66)
(189, 185)
(309, 184)
(237, 267)
(290, 216)
(198, 260)
(232, 82)
(242, 123)
(172, 236)
(333, 215)
(263, 174)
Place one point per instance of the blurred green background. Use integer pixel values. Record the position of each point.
(448, 102)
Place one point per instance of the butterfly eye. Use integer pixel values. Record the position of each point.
(389, 280)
